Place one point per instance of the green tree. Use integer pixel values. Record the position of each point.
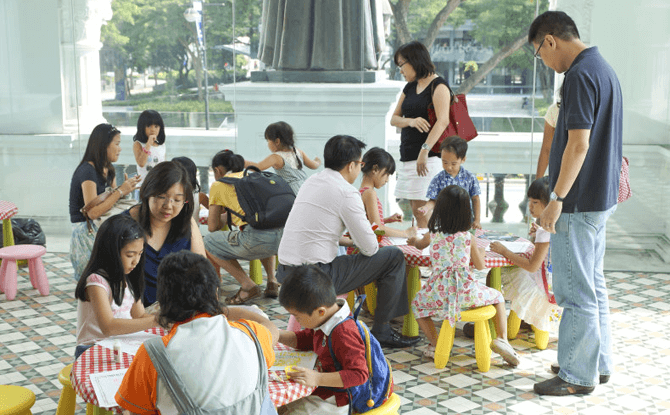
(154, 33)
(501, 25)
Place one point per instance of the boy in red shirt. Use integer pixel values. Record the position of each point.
(309, 295)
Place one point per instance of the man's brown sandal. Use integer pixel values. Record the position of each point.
(251, 294)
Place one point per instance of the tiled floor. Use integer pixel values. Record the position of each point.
(37, 340)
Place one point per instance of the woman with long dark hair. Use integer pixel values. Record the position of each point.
(94, 175)
(165, 213)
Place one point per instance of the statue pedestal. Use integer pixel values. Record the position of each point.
(315, 111)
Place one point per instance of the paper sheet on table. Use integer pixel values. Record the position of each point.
(285, 358)
(105, 385)
(518, 247)
(129, 342)
(395, 240)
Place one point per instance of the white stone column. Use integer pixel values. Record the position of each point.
(81, 21)
(316, 112)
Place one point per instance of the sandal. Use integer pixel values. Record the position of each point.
(238, 300)
(272, 289)
(428, 351)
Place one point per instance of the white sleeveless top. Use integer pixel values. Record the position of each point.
(156, 155)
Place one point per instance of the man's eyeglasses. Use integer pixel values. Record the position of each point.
(362, 163)
(401, 65)
(537, 52)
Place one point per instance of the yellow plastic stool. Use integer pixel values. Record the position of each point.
(67, 400)
(256, 271)
(513, 324)
(445, 341)
(390, 407)
(16, 400)
(541, 338)
(410, 327)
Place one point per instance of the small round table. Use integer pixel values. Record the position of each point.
(101, 359)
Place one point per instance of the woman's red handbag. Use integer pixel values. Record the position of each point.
(460, 123)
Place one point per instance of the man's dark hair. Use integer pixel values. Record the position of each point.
(307, 289)
(452, 212)
(342, 150)
(417, 55)
(539, 190)
(379, 157)
(187, 286)
(456, 145)
(557, 24)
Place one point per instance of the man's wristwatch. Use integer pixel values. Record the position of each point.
(553, 196)
(424, 146)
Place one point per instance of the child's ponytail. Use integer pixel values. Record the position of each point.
(284, 133)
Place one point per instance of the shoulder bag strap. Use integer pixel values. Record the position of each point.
(167, 373)
(232, 180)
(267, 406)
(93, 203)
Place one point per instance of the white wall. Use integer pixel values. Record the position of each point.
(634, 37)
(30, 81)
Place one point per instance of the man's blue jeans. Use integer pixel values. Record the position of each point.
(584, 337)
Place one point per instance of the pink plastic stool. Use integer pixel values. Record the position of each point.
(38, 277)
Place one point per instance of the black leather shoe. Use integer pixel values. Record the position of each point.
(556, 368)
(396, 340)
(559, 387)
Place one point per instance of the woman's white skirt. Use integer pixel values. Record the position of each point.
(410, 185)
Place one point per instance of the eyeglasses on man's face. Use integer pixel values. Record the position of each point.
(537, 52)
(362, 163)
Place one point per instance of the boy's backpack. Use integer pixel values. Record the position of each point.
(379, 385)
(265, 198)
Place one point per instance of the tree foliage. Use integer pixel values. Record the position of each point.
(501, 25)
(154, 33)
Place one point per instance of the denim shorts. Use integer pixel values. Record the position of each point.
(247, 244)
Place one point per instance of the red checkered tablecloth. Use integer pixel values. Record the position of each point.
(415, 258)
(283, 390)
(7, 209)
(101, 359)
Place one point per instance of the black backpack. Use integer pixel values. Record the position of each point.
(265, 198)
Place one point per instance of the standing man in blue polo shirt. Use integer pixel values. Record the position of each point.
(584, 166)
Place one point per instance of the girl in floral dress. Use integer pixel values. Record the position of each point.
(452, 286)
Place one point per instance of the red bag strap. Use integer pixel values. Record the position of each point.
(550, 297)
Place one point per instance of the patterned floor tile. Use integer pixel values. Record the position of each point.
(37, 336)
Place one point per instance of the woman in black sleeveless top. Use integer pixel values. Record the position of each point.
(418, 164)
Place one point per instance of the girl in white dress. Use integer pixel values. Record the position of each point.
(148, 143)
(528, 286)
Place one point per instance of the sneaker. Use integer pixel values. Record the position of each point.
(429, 351)
(506, 351)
